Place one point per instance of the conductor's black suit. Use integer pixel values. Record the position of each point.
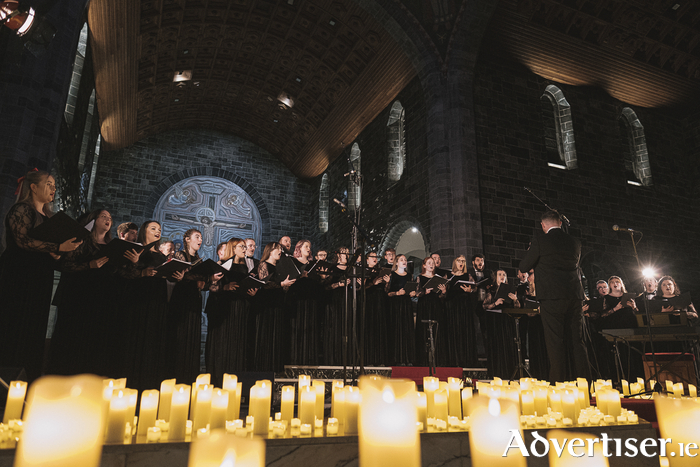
(555, 257)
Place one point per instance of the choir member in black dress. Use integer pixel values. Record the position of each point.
(431, 307)
(400, 320)
(478, 272)
(321, 255)
(272, 326)
(537, 349)
(618, 315)
(230, 345)
(250, 260)
(375, 328)
(500, 328)
(26, 276)
(669, 289)
(389, 258)
(286, 244)
(337, 314)
(462, 328)
(89, 336)
(147, 295)
(185, 314)
(306, 304)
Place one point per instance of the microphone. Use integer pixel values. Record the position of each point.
(339, 203)
(617, 228)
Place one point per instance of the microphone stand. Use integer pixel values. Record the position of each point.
(565, 221)
(646, 311)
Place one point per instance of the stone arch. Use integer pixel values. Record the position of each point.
(392, 237)
(557, 110)
(354, 194)
(396, 142)
(323, 204)
(636, 154)
(172, 179)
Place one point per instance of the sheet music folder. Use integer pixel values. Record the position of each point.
(58, 228)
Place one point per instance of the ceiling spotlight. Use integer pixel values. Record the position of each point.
(184, 75)
(36, 33)
(649, 272)
(286, 101)
(414, 230)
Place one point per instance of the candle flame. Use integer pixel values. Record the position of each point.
(494, 407)
(121, 394)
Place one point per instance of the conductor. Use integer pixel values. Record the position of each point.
(555, 257)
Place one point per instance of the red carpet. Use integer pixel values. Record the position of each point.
(416, 373)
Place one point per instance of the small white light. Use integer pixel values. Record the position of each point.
(556, 166)
(414, 230)
(648, 272)
(27, 22)
(632, 182)
(184, 75)
(676, 6)
(331, 22)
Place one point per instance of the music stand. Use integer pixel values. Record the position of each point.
(516, 314)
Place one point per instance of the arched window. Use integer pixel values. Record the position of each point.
(353, 189)
(558, 129)
(396, 142)
(78, 63)
(635, 153)
(323, 194)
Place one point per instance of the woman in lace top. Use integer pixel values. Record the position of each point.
(26, 276)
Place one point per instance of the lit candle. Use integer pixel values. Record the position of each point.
(669, 386)
(116, 421)
(678, 390)
(490, 433)
(440, 404)
(569, 401)
(564, 458)
(692, 390)
(527, 402)
(166, 397)
(304, 380)
(554, 399)
(678, 421)
(388, 416)
(430, 385)
(625, 388)
(287, 408)
(179, 408)
(582, 385)
(237, 405)
(133, 398)
(147, 411)
(339, 403)
(601, 400)
(540, 393)
(231, 384)
(454, 403)
(466, 395)
(15, 401)
(320, 388)
(219, 406)
(227, 450)
(64, 423)
(335, 386)
(614, 406)
(201, 380)
(307, 405)
(202, 414)
(260, 400)
(352, 404)
(422, 405)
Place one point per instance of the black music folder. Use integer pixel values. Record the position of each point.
(320, 264)
(678, 303)
(116, 248)
(57, 229)
(503, 291)
(434, 282)
(442, 272)
(286, 267)
(484, 283)
(208, 268)
(595, 306)
(248, 283)
(411, 286)
(172, 266)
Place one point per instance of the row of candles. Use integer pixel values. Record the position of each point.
(384, 412)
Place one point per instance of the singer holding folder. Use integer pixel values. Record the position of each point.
(26, 275)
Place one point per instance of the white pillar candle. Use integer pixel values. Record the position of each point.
(304, 380)
(116, 420)
(227, 450)
(202, 414)
(15, 401)
(237, 405)
(335, 386)
(678, 390)
(219, 407)
(566, 459)
(133, 398)
(466, 395)
(582, 385)
(490, 434)
(166, 397)
(230, 384)
(147, 411)
(625, 388)
(422, 406)
(260, 401)
(320, 388)
(339, 403)
(569, 402)
(440, 404)
(554, 400)
(179, 409)
(287, 404)
(352, 404)
(678, 421)
(388, 416)
(527, 402)
(614, 406)
(541, 400)
(64, 423)
(430, 385)
(692, 390)
(307, 405)
(201, 380)
(454, 403)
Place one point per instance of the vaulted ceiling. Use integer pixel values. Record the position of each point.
(340, 67)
